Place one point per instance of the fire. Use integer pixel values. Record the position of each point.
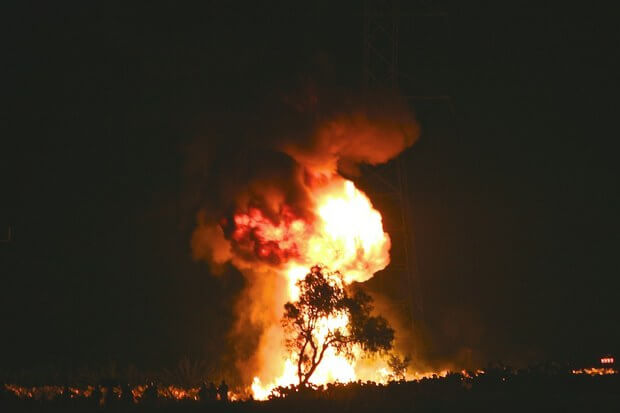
(281, 207)
(350, 236)
(272, 243)
(346, 235)
(596, 371)
(275, 243)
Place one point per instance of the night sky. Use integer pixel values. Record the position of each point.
(513, 183)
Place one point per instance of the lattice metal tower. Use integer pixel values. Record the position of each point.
(380, 69)
(381, 20)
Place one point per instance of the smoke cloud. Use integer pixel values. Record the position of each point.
(354, 133)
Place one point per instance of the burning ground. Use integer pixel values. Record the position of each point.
(541, 388)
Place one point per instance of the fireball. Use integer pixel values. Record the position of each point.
(346, 235)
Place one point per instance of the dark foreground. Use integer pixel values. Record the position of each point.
(454, 393)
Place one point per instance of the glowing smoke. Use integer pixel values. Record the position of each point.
(276, 206)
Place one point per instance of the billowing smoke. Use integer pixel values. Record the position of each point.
(352, 133)
(265, 172)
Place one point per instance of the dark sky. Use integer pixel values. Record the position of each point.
(513, 184)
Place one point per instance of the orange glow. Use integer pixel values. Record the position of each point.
(178, 393)
(48, 392)
(596, 371)
(52, 392)
(347, 235)
(275, 244)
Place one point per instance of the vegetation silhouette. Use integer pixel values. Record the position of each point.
(323, 296)
(496, 388)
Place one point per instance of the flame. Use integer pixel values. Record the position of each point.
(346, 235)
(596, 371)
(343, 232)
(350, 237)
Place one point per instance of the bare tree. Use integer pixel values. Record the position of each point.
(310, 323)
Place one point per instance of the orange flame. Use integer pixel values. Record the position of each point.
(347, 236)
(596, 371)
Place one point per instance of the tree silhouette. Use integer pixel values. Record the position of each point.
(398, 366)
(327, 316)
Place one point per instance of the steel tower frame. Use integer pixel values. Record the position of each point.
(380, 70)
